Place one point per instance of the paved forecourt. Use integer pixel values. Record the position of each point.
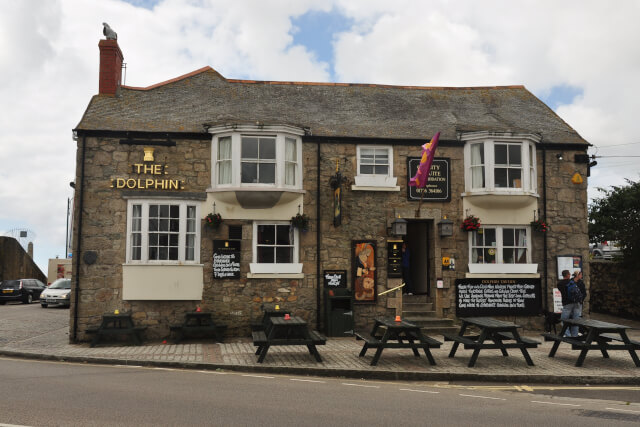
(47, 337)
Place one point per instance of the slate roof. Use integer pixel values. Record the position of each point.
(187, 103)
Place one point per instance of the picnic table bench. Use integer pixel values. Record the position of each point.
(287, 331)
(265, 322)
(198, 323)
(492, 330)
(398, 334)
(598, 337)
(117, 325)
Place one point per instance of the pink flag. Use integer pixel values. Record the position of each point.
(428, 151)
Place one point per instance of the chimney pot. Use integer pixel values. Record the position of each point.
(110, 67)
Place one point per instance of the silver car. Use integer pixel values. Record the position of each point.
(58, 293)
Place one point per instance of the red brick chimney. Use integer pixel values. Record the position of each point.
(110, 67)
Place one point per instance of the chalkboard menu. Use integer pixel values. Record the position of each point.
(438, 188)
(335, 278)
(498, 297)
(226, 259)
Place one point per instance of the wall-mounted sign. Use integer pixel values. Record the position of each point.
(365, 270)
(568, 262)
(226, 259)
(335, 278)
(438, 188)
(148, 176)
(394, 258)
(498, 297)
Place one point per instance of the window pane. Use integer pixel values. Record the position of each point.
(137, 211)
(173, 240)
(501, 177)
(224, 148)
(153, 210)
(136, 239)
(367, 155)
(189, 253)
(489, 236)
(136, 224)
(163, 253)
(265, 254)
(164, 211)
(515, 178)
(477, 177)
(477, 154)
(267, 148)
(249, 172)
(476, 256)
(163, 239)
(153, 253)
(137, 254)
(164, 225)
(381, 170)
(290, 150)
(382, 157)
(267, 173)
(507, 237)
(284, 255)
(249, 147)
(266, 234)
(175, 211)
(521, 237)
(153, 239)
(290, 174)
(174, 225)
(153, 224)
(507, 256)
(366, 169)
(490, 256)
(515, 154)
(173, 254)
(283, 234)
(521, 256)
(500, 152)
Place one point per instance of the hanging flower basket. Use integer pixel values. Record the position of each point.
(213, 220)
(539, 226)
(470, 223)
(300, 221)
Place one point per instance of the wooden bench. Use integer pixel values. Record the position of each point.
(375, 342)
(576, 343)
(412, 339)
(614, 337)
(182, 331)
(135, 333)
(285, 334)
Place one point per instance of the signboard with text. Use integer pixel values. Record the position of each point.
(226, 259)
(335, 278)
(438, 188)
(498, 297)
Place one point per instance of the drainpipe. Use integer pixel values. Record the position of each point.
(544, 208)
(318, 275)
(76, 269)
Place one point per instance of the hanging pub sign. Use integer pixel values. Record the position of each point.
(498, 297)
(438, 188)
(335, 278)
(226, 259)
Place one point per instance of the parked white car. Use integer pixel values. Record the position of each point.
(58, 293)
(605, 250)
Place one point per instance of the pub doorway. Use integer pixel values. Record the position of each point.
(418, 241)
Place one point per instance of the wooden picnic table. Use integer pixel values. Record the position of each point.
(198, 323)
(287, 331)
(493, 334)
(114, 325)
(265, 322)
(397, 334)
(599, 336)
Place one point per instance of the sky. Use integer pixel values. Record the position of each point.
(580, 57)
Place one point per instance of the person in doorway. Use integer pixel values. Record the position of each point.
(570, 310)
(406, 269)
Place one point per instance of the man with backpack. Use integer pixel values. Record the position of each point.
(572, 298)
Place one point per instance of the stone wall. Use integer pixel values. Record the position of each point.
(613, 290)
(15, 263)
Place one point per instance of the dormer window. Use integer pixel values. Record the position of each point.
(375, 169)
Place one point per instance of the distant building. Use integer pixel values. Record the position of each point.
(154, 162)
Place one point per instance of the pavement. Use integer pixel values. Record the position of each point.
(36, 333)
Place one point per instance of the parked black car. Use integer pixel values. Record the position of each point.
(25, 290)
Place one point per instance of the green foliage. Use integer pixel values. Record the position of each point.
(616, 216)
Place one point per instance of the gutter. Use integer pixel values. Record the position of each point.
(545, 237)
(76, 253)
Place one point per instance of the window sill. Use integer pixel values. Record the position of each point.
(271, 269)
(503, 268)
(373, 188)
(275, 275)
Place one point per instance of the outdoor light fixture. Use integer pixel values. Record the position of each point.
(399, 227)
(445, 227)
(559, 156)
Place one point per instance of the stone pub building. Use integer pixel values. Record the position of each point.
(153, 163)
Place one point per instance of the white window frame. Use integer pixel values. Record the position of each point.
(182, 240)
(373, 181)
(280, 133)
(528, 162)
(499, 266)
(275, 268)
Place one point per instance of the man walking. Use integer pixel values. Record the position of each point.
(570, 309)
